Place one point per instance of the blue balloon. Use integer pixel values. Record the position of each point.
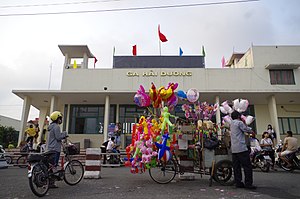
(182, 95)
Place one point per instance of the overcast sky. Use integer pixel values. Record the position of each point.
(29, 44)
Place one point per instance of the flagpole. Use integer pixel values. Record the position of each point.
(159, 46)
(50, 76)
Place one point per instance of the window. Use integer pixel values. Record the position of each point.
(129, 115)
(289, 124)
(89, 119)
(282, 77)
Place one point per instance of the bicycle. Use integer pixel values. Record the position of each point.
(40, 169)
(25, 152)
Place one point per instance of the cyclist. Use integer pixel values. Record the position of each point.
(54, 139)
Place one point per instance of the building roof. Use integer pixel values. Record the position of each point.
(159, 62)
(75, 51)
(233, 57)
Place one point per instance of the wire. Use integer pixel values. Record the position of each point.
(56, 4)
(129, 9)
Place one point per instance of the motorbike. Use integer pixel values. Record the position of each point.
(6, 156)
(292, 158)
(114, 157)
(261, 160)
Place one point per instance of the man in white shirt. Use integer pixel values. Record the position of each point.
(111, 146)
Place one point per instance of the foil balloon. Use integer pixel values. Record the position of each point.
(181, 95)
(192, 95)
(172, 102)
(141, 98)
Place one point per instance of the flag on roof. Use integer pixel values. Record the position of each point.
(223, 62)
(203, 51)
(95, 61)
(162, 37)
(134, 50)
(180, 52)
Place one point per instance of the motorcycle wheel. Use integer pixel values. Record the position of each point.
(8, 159)
(39, 182)
(265, 166)
(283, 165)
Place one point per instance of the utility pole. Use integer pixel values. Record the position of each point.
(50, 76)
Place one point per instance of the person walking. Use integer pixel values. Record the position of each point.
(240, 152)
(272, 133)
(55, 136)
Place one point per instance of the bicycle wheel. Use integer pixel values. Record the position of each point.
(73, 172)
(39, 182)
(164, 172)
(8, 159)
(223, 173)
(22, 161)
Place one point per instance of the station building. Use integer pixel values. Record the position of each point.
(91, 98)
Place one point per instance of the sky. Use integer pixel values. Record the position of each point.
(31, 59)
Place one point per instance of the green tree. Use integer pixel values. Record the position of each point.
(8, 135)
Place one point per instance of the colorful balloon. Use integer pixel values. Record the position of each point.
(192, 95)
(181, 95)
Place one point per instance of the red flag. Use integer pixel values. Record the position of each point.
(223, 62)
(134, 50)
(95, 61)
(162, 37)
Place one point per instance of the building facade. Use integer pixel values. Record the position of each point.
(91, 99)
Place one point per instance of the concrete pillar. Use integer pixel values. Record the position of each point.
(117, 113)
(85, 61)
(24, 118)
(218, 116)
(68, 118)
(53, 104)
(42, 119)
(106, 117)
(93, 163)
(273, 115)
(67, 61)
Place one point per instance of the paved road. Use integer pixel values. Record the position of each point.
(120, 183)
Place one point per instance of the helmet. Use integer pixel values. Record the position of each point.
(55, 115)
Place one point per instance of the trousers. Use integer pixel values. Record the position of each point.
(240, 160)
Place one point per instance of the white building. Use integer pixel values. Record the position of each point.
(10, 122)
(268, 76)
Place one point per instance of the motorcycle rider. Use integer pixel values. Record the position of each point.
(267, 145)
(55, 136)
(112, 147)
(254, 146)
(290, 145)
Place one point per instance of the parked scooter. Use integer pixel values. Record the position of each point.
(7, 157)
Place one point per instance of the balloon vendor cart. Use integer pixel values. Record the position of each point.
(166, 145)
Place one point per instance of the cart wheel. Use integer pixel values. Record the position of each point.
(164, 172)
(223, 173)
